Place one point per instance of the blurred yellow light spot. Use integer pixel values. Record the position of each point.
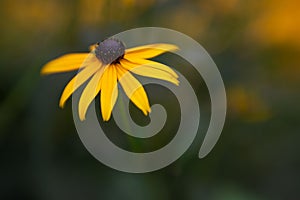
(247, 105)
(278, 22)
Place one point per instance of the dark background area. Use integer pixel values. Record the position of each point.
(256, 47)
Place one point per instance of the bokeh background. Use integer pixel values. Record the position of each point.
(256, 47)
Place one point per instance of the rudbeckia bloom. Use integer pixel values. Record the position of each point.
(107, 64)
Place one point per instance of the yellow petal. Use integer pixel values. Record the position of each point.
(78, 80)
(89, 93)
(150, 51)
(134, 62)
(93, 47)
(134, 90)
(66, 63)
(109, 91)
(151, 69)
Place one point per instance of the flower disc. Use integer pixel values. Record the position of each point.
(110, 51)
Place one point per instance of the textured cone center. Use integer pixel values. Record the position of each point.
(110, 51)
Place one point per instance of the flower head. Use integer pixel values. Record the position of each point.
(108, 64)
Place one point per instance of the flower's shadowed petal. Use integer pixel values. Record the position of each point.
(68, 62)
(93, 47)
(78, 80)
(109, 91)
(134, 90)
(89, 93)
(150, 51)
(151, 69)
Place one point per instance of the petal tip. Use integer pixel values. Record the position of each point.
(42, 72)
(105, 119)
(45, 70)
(61, 104)
(82, 118)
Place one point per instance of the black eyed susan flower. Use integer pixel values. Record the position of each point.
(108, 64)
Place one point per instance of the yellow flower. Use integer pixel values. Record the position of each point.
(108, 63)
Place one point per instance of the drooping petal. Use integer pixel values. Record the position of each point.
(68, 62)
(135, 62)
(151, 69)
(134, 90)
(150, 51)
(89, 93)
(109, 91)
(78, 80)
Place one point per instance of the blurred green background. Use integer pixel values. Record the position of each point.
(256, 47)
